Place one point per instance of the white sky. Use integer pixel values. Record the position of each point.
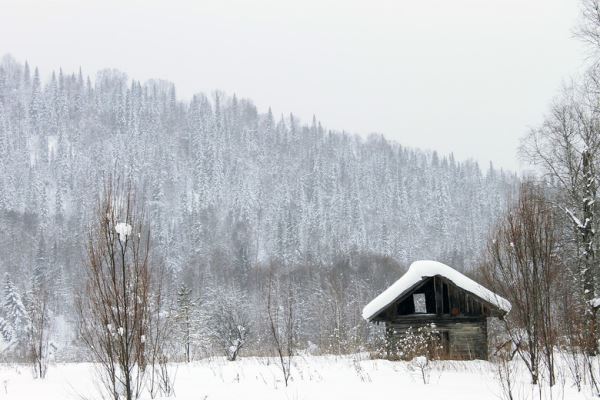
(462, 76)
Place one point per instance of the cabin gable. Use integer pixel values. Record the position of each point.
(442, 298)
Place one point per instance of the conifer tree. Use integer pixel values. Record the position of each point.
(15, 314)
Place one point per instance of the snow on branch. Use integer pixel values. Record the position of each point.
(123, 229)
(576, 220)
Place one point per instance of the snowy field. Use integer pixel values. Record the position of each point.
(313, 377)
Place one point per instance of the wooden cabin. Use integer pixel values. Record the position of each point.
(433, 293)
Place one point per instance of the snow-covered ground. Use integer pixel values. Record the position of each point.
(313, 377)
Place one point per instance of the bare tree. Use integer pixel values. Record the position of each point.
(573, 339)
(566, 148)
(280, 310)
(114, 308)
(506, 374)
(37, 307)
(229, 325)
(589, 26)
(335, 300)
(38, 312)
(186, 320)
(523, 266)
(158, 343)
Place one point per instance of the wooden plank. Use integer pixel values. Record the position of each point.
(439, 297)
(445, 298)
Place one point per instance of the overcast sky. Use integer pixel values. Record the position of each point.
(462, 76)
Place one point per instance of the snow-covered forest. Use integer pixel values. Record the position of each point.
(228, 190)
(155, 245)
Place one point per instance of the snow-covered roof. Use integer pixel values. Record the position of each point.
(420, 270)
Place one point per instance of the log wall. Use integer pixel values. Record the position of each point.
(467, 337)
